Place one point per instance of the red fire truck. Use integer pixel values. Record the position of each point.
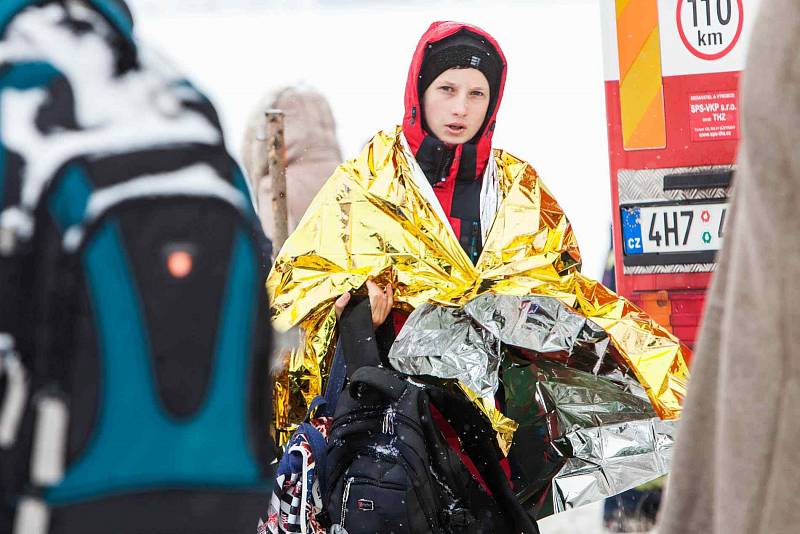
(672, 99)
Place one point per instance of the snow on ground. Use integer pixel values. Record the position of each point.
(584, 520)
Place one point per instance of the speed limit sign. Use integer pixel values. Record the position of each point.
(710, 28)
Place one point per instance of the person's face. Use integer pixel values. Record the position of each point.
(455, 104)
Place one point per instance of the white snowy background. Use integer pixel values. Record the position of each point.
(357, 52)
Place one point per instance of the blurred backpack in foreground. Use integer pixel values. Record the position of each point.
(133, 319)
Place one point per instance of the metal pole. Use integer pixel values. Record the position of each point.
(276, 174)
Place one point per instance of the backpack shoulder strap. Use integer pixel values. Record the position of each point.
(357, 336)
(355, 348)
(478, 439)
(384, 384)
(319, 449)
(325, 405)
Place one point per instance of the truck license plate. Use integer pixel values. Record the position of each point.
(673, 228)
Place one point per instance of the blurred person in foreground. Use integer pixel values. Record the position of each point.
(737, 463)
(312, 152)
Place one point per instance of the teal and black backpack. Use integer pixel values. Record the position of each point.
(134, 337)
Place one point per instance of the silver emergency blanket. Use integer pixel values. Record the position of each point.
(447, 343)
(587, 430)
(582, 437)
(465, 343)
(612, 459)
(541, 324)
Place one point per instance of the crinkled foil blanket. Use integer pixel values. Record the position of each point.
(572, 340)
(586, 427)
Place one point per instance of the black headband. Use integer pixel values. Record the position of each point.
(461, 50)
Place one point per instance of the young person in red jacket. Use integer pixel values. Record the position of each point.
(430, 213)
(454, 88)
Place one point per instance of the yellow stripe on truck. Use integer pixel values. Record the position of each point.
(641, 93)
(621, 5)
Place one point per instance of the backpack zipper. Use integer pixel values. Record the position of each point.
(345, 497)
(352, 480)
(388, 420)
(431, 516)
(366, 414)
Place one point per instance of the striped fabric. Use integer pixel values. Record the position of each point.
(296, 497)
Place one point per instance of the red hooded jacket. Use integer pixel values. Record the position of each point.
(456, 187)
(415, 133)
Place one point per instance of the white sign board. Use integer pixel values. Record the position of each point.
(696, 36)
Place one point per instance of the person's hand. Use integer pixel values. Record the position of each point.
(340, 304)
(380, 301)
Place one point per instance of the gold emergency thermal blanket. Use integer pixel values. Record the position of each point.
(372, 219)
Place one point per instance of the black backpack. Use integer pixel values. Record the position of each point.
(388, 467)
(133, 317)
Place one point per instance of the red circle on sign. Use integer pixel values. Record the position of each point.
(696, 52)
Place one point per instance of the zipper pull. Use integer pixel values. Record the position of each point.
(388, 421)
(448, 160)
(474, 250)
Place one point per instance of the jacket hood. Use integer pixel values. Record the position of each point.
(412, 119)
(310, 131)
